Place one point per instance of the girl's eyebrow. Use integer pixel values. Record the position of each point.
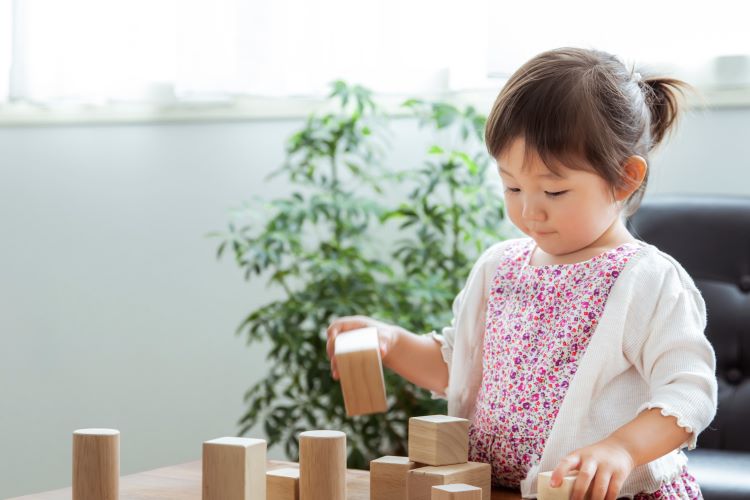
(551, 175)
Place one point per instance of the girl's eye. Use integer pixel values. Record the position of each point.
(553, 195)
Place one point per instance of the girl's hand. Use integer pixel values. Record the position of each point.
(387, 335)
(602, 469)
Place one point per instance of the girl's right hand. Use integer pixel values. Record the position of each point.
(387, 335)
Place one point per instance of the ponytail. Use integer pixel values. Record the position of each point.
(663, 102)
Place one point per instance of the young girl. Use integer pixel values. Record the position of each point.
(578, 348)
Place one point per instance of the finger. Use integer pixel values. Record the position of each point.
(336, 328)
(564, 468)
(600, 486)
(334, 369)
(615, 485)
(385, 341)
(333, 330)
(586, 474)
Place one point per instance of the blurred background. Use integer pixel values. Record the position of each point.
(130, 131)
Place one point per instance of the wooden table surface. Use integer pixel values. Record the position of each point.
(183, 482)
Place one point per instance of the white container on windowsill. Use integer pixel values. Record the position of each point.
(731, 71)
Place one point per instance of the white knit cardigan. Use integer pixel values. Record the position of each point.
(648, 351)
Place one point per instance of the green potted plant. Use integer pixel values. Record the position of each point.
(339, 246)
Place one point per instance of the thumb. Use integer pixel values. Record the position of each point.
(566, 465)
(385, 347)
(386, 340)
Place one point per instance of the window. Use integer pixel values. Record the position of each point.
(62, 55)
(163, 50)
(706, 43)
(6, 35)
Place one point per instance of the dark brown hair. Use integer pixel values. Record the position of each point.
(584, 109)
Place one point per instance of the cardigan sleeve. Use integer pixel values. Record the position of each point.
(677, 360)
(465, 300)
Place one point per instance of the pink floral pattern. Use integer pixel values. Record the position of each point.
(539, 322)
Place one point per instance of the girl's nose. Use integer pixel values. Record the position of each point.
(533, 211)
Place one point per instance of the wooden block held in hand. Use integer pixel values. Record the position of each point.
(547, 492)
(283, 484)
(388, 476)
(422, 480)
(439, 440)
(234, 468)
(360, 370)
(322, 465)
(96, 464)
(458, 491)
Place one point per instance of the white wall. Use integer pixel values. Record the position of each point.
(113, 309)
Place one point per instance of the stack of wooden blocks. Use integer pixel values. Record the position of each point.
(437, 467)
(235, 469)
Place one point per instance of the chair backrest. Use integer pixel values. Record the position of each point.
(710, 237)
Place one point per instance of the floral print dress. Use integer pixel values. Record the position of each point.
(539, 322)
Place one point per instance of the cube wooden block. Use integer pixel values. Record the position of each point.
(422, 480)
(283, 484)
(456, 492)
(439, 440)
(234, 468)
(547, 492)
(388, 478)
(360, 370)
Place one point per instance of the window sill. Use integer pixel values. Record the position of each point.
(269, 108)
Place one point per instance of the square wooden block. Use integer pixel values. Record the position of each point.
(234, 468)
(439, 440)
(456, 492)
(422, 480)
(388, 478)
(361, 371)
(283, 484)
(547, 492)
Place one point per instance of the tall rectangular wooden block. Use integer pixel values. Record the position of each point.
(388, 478)
(456, 492)
(283, 484)
(234, 468)
(439, 440)
(422, 480)
(361, 371)
(547, 492)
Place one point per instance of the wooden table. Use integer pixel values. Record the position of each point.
(183, 482)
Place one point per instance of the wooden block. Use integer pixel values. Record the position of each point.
(234, 468)
(422, 480)
(458, 491)
(361, 371)
(322, 465)
(547, 492)
(388, 477)
(283, 484)
(439, 440)
(96, 464)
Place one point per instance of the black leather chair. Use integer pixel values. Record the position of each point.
(710, 237)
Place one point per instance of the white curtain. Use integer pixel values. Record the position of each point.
(6, 34)
(706, 42)
(104, 51)
(109, 50)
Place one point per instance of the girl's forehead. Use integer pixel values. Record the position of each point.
(519, 161)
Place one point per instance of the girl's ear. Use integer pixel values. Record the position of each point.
(635, 171)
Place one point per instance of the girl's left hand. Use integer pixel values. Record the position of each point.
(602, 469)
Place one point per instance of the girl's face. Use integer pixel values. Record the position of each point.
(562, 214)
